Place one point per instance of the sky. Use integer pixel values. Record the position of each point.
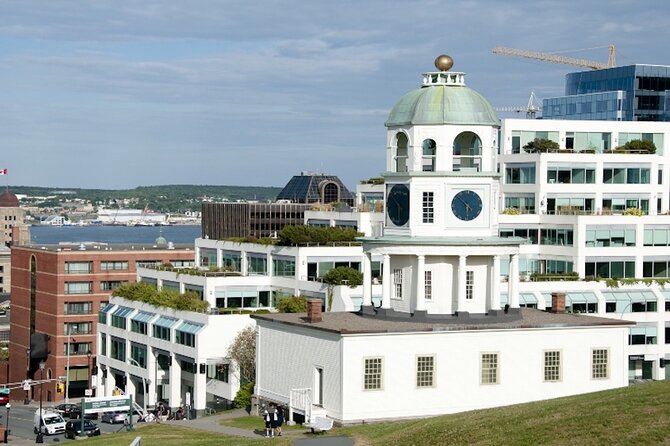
(115, 94)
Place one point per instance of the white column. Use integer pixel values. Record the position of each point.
(175, 383)
(244, 264)
(495, 283)
(461, 283)
(151, 374)
(387, 282)
(367, 279)
(513, 281)
(420, 283)
(270, 268)
(199, 396)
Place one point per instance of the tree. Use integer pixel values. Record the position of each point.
(243, 351)
(639, 145)
(342, 275)
(292, 304)
(541, 145)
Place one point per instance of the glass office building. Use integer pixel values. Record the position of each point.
(630, 93)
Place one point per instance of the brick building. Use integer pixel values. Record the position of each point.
(59, 289)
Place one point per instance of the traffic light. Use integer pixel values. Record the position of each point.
(60, 387)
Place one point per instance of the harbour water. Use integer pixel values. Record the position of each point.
(178, 234)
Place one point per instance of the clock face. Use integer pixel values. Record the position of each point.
(466, 205)
(397, 204)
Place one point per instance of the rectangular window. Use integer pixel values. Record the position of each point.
(103, 345)
(78, 287)
(218, 372)
(161, 332)
(77, 328)
(138, 353)
(138, 326)
(283, 267)
(600, 363)
(428, 209)
(78, 267)
(207, 257)
(397, 282)
(78, 308)
(428, 281)
(109, 285)
(118, 349)
(425, 369)
(489, 368)
(184, 338)
(121, 265)
(77, 348)
(372, 376)
(469, 284)
(552, 366)
(257, 265)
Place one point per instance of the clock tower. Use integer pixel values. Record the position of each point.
(442, 144)
(441, 249)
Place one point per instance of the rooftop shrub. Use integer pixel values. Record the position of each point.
(302, 235)
(147, 293)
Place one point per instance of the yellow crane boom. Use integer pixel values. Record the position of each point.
(549, 57)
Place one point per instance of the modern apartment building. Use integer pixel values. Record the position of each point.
(629, 93)
(59, 290)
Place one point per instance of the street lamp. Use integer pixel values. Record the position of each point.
(40, 437)
(88, 363)
(8, 406)
(144, 389)
(69, 330)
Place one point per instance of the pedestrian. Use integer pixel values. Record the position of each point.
(280, 420)
(270, 417)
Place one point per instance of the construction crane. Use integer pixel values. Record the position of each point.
(552, 57)
(534, 106)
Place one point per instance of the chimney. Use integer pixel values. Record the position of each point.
(314, 310)
(558, 302)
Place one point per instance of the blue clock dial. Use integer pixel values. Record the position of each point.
(397, 204)
(466, 205)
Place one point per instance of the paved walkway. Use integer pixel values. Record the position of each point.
(212, 423)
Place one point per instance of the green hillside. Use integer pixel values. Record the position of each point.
(165, 198)
(636, 415)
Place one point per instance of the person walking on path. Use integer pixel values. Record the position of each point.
(280, 420)
(270, 417)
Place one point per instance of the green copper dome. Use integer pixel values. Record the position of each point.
(442, 104)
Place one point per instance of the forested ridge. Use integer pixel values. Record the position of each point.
(165, 198)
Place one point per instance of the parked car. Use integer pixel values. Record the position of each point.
(4, 397)
(114, 417)
(74, 429)
(75, 413)
(66, 409)
(49, 422)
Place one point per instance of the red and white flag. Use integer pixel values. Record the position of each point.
(3, 171)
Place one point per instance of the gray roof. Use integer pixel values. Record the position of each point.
(345, 323)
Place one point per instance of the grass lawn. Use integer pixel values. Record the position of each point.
(636, 415)
(630, 416)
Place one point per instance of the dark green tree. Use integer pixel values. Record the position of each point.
(639, 145)
(292, 304)
(541, 145)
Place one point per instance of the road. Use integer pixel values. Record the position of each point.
(21, 421)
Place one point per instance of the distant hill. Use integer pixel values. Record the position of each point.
(166, 198)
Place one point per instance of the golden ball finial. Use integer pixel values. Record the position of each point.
(444, 62)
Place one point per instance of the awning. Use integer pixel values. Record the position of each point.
(631, 296)
(190, 327)
(122, 311)
(666, 294)
(107, 308)
(143, 316)
(166, 322)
